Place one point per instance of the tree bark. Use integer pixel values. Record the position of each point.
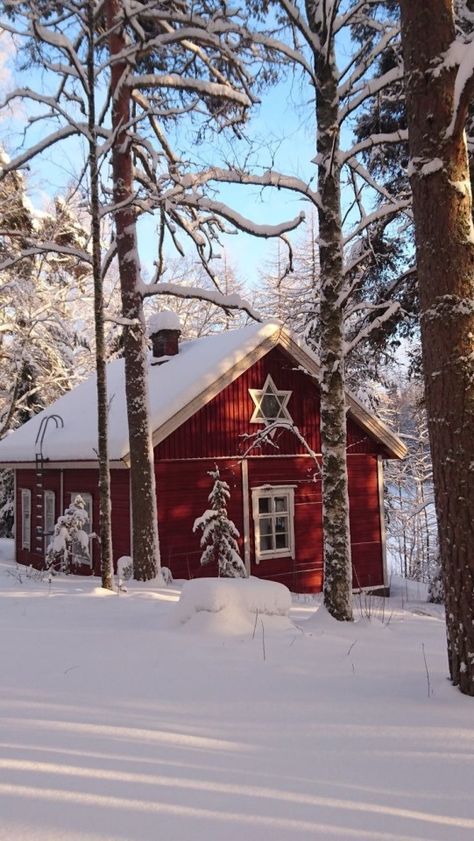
(143, 493)
(105, 526)
(442, 206)
(337, 542)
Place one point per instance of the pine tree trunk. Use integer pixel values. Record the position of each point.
(337, 544)
(143, 492)
(105, 527)
(442, 207)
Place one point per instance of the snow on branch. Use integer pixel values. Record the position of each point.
(361, 67)
(201, 86)
(390, 310)
(226, 302)
(241, 222)
(33, 249)
(383, 212)
(373, 141)
(266, 434)
(369, 89)
(301, 25)
(461, 55)
(41, 146)
(270, 178)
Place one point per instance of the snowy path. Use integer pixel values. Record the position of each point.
(114, 727)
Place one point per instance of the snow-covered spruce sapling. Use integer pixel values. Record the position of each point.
(219, 534)
(124, 572)
(69, 538)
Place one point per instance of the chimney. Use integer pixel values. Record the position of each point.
(164, 329)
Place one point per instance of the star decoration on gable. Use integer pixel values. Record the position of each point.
(270, 403)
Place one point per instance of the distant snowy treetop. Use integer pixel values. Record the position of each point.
(163, 320)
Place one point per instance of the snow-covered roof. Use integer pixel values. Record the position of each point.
(201, 369)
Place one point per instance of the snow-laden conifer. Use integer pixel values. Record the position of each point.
(219, 534)
(69, 538)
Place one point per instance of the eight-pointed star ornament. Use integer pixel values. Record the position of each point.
(270, 403)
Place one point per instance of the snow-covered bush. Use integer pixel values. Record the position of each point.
(69, 540)
(7, 500)
(125, 568)
(166, 576)
(219, 534)
(436, 593)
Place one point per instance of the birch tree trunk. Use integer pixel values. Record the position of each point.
(143, 493)
(442, 206)
(337, 543)
(105, 527)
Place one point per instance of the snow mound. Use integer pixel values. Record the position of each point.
(163, 320)
(231, 605)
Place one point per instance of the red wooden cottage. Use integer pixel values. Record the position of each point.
(206, 396)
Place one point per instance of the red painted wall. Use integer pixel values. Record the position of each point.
(77, 481)
(218, 428)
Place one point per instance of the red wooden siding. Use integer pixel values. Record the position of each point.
(218, 428)
(304, 573)
(366, 536)
(121, 521)
(182, 490)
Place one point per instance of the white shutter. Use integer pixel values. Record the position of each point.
(49, 505)
(26, 519)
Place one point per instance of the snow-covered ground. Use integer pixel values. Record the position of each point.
(118, 722)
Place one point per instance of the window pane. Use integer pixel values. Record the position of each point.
(266, 525)
(264, 506)
(281, 541)
(281, 524)
(270, 406)
(281, 503)
(266, 543)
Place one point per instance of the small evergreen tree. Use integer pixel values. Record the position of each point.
(219, 534)
(69, 538)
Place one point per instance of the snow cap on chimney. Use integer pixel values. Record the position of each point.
(164, 329)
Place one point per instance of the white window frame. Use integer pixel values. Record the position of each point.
(273, 491)
(49, 521)
(26, 521)
(258, 394)
(87, 497)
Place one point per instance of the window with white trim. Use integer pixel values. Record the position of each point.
(273, 517)
(49, 508)
(25, 519)
(270, 403)
(78, 556)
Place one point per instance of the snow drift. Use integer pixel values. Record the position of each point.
(232, 605)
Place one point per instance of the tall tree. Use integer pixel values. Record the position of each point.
(315, 38)
(72, 61)
(439, 85)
